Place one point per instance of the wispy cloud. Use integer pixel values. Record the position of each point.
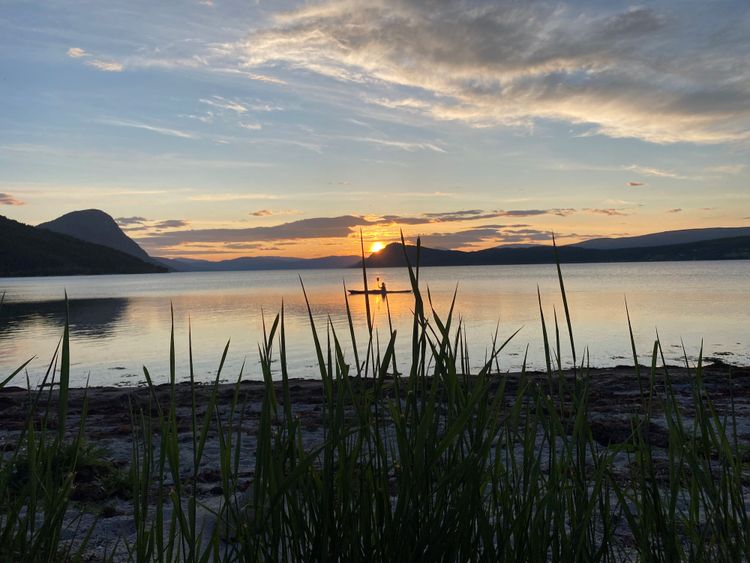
(643, 72)
(315, 228)
(402, 145)
(490, 235)
(610, 212)
(100, 64)
(657, 172)
(233, 197)
(251, 126)
(7, 199)
(137, 223)
(106, 66)
(270, 212)
(76, 53)
(149, 127)
(469, 215)
(726, 169)
(223, 103)
(171, 224)
(130, 221)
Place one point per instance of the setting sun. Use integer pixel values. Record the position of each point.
(377, 247)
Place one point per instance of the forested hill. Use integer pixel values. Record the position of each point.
(735, 248)
(30, 251)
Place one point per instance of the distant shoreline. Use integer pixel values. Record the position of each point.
(378, 267)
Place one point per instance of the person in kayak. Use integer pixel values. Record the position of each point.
(381, 285)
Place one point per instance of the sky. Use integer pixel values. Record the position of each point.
(216, 129)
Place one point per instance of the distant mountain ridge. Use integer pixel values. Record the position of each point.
(734, 248)
(259, 263)
(30, 251)
(97, 227)
(665, 238)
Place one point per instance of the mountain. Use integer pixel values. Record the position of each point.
(259, 263)
(95, 226)
(735, 248)
(666, 238)
(30, 251)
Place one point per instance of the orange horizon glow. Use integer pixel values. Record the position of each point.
(378, 238)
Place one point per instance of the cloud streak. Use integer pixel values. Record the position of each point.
(76, 53)
(657, 76)
(157, 226)
(315, 228)
(7, 199)
(148, 127)
(106, 66)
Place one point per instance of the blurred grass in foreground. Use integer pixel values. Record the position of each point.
(434, 464)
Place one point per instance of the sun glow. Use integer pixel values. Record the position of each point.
(377, 247)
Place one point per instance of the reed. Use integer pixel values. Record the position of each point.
(436, 464)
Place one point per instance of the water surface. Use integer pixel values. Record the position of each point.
(121, 323)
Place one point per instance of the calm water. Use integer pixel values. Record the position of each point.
(121, 323)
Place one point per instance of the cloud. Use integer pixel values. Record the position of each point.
(461, 239)
(154, 128)
(265, 107)
(130, 221)
(402, 145)
(493, 235)
(106, 66)
(462, 213)
(661, 76)
(274, 212)
(726, 169)
(636, 184)
(143, 224)
(560, 212)
(7, 199)
(471, 215)
(171, 224)
(76, 53)
(233, 197)
(315, 228)
(656, 172)
(611, 212)
(101, 64)
(223, 103)
(251, 126)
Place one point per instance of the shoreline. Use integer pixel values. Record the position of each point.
(108, 407)
(614, 400)
(711, 363)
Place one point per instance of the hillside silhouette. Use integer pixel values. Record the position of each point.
(734, 248)
(31, 251)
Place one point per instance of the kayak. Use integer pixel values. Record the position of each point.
(377, 291)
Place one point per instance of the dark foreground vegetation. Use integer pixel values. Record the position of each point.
(438, 463)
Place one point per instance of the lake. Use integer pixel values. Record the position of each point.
(121, 323)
